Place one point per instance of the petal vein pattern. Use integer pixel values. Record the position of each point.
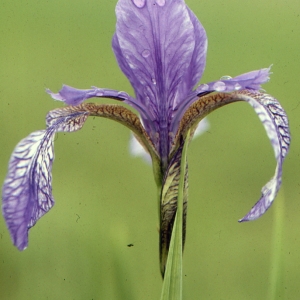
(27, 191)
(276, 125)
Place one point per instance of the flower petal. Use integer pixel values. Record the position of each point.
(275, 123)
(251, 80)
(27, 192)
(197, 65)
(73, 96)
(154, 45)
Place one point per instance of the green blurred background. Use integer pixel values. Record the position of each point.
(106, 199)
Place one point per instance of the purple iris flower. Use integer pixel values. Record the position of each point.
(161, 47)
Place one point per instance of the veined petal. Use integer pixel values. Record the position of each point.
(154, 44)
(27, 190)
(197, 65)
(275, 123)
(70, 116)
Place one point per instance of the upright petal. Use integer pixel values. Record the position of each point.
(154, 45)
(197, 65)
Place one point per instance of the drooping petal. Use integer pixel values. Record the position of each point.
(27, 190)
(114, 112)
(154, 45)
(275, 123)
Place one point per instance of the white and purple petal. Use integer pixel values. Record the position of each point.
(27, 192)
(275, 122)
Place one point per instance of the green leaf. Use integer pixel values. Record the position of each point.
(172, 285)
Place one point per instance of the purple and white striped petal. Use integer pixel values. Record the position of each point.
(276, 125)
(27, 191)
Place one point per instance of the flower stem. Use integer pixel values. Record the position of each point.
(276, 271)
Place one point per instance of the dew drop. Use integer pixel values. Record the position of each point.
(202, 88)
(139, 3)
(123, 95)
(219, 86)
(161, 2)
(237, 86)
(98, 92)
(153, 81)
(146, 53)
(226, 77)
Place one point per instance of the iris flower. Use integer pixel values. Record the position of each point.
(161, 48)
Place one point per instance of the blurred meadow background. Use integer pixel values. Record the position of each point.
(106, 199)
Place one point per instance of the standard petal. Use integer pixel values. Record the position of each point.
(197, 65)
(275, 123)
(27, 192)
(154, 44)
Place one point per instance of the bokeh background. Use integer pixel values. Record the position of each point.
(106, 199)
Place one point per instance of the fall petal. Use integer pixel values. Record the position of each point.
(27, 192)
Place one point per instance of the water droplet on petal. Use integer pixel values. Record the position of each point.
(237, 86)
(161, 2)
(139, 3)
(146, 53)
(153, 81)
(219, 86)
(99, 93)
(123, 95)
(202, 88)
(226, 77)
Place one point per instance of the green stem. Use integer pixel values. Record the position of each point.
(276, 272)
